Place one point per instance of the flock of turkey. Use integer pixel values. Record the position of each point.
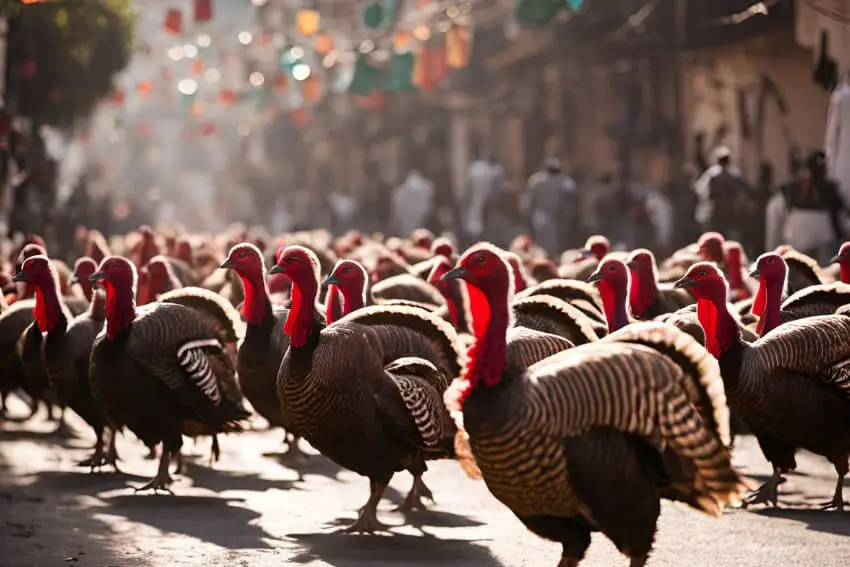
(582, 390)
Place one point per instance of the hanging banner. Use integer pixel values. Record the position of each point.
(203, 11)
(173, 22)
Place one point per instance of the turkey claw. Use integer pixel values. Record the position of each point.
(366, 525)
(157, 484)
(768, 493)
(835, 505)
(414, 499)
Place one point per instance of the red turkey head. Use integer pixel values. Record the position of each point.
(440, 268)
(159, 273)
(116, 272)
(443, 247)
(350, 277)
(299, 263)
(36, 271)
(83, 270)
(183, 251)
(612, 271)
(710, 247)
(598, 245)
(484, 267)
(642, 263)
(246, 260)
(422, 238)
(842, 259)
(705, 281)
(28, 251)
(734, 255)
(520, 282)
(770, 267)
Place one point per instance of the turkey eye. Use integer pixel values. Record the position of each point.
(770, 260)
(610, 268)
(702, 273)
(347, 271)
(291, 260)
(243, 254)
(481, 259)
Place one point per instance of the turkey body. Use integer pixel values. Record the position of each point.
(605, 476)
(258, 362)
(13, 322)
(165, 368)
(339, 400)
(66, 362)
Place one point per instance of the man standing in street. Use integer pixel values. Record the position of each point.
(721, 192)
(552, 207)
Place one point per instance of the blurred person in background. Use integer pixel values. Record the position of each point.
(486, 183)
(412, 203)
(721, 192)
(552, 207)
(813, 206)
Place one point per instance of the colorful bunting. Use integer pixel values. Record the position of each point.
(399, 75)
(173, 21)
(365, 77)
(457, 47)
(311, 88)
(203, 11)
(323, 44)
(307, 22)
(430, 67)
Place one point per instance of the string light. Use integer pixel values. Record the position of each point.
(175, 53)
(256, 79)
(296, 52)
(330, 59)
(212, 75)
(204, 40)
(190, 51)
(187, 87)
(422, 33)
(245, 37)
(301, 72)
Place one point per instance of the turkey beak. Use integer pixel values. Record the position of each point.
(584, 253)
(754, 273)
(97, 277)
(595, 277)
(20, 277)
(226, 265)
(684, 283)
(73, 279)
(836, 259)
(277, 269)
(331, 280)
(456, 274)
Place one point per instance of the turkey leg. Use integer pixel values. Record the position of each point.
(295, 452)
(841, 467)
(96, 458)
(768, 493)
(111, 457)
(418, 491)
(162, 479)
(367, 522)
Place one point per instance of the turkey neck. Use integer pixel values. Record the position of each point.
(120, 308)
(48, 310)
(299, 323)
(722, 337)
(488, 356)
(643, 291)
(257, 308)
(88, 290)
(333, 305)
(614, 302)
(353, 297)
(769, 319)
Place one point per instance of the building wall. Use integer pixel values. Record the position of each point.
(724, 89)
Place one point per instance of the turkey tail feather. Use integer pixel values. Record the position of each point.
(212, 307)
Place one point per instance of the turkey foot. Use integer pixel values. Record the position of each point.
(768, 493)
(367, 522)
(568, 562)
(638, 561)
(295, 453)
(837, 503)
(162, 480)
(178, 462)
(414, 498)
(96, 459)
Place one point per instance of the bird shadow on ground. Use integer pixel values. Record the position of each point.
(208, 518)
(51, 437)
(818, 520)
(315, 464)
(344, 550)
(80, 480)
(222, 480)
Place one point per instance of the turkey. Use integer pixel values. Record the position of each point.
(157, 367)
(66, 350)
(843, 261)
(261, 353)
(791, 387)
(457, 304)
(581, 295)
(772, 273)
(612, 277)
(351, 397)
(587, 439)
(83, 269)
(13, 322)
(803, 270)
(647, 298)
(740, 286)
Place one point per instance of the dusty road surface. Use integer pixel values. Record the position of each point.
(250, 510)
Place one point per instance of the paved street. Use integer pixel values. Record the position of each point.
(251, 510)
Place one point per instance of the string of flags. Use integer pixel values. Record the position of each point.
(389, 52)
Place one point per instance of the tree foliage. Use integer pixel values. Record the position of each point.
(64, 55)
